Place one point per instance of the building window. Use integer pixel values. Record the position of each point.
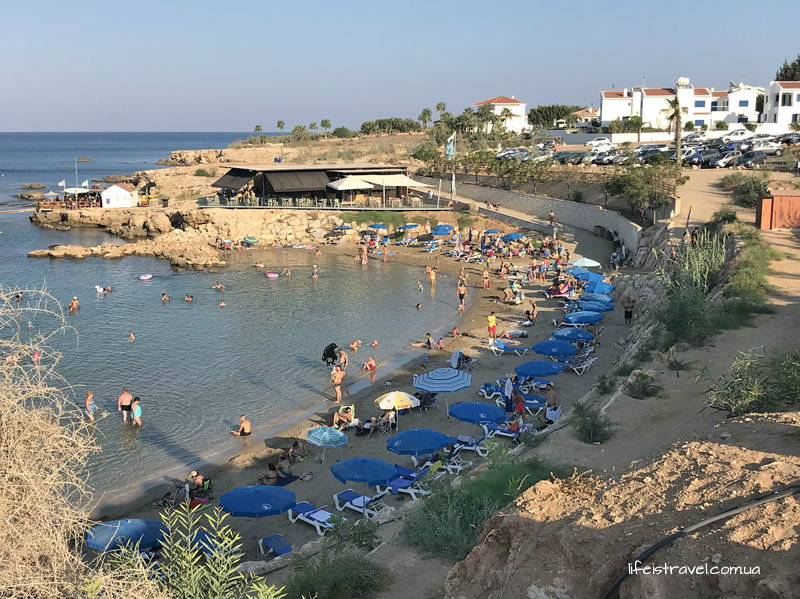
(795, 118)
(798, 97)
(714, 106)
(777, 97)
(786, 99)
(699, 103)
(699, 122)
(741, 118)
(743, 103)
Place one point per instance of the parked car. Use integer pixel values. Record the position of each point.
(652, 156)
(730, 146)
(685, 154)
(605, 157)
(789, 138)
(538, 157)
(622, 158)
(703, 158)
(737, 135)
(728, 159)
(751, 159)
(769, 147)
(546, 144)
(598, 141)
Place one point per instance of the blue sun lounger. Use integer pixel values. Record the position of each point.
(274, 545)
(318, 517)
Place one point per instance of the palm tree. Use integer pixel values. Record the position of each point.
(312, 126)
(425, 117)
(325, 124)
(505, 114)
(440, 108)
(674, 115)
(257, 129)
(281, 125)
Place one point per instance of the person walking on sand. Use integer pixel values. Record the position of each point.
(337, 377)
(485, 277)
(245, 427)
(74, 305)
(461, 292)
(132, 336)
(136, 411)
(627, 305)
(124, 403)
(491, 322)
(90, 406)
(370, 365)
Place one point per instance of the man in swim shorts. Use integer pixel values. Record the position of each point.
(124, 403)
(337, 377)
(245, 428)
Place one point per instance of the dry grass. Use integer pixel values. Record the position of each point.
(44, 445)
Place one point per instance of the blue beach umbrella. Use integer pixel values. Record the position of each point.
(597, 297)
(443, 380)
(599, 287)
(492, 231)
(512, 237)
(555, 347)
(442, 230)
(583, 317)
(572, 334)
(409, 226)
(257, 501)
(108, 536)
(539, 368)
(477, 412)
(370, 471)
(418, 440)
(575, 271)
(585, 263)
(589, 276)
(343, 228)
(378, 226)
(595, 306)
(326, 437)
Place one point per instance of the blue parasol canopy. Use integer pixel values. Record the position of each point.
(539, 368)
(477, 412)
(576, 270)
(378, 226)
(555, 347)
(442, 230)
(597, 297)
(512, 237)
(409, 226)
(492, 231)
(572, 334)
(418, 440)
(583, 317)
(257, 501)
(589, 276)
(343, 228)
(595, 306)
(443, 380)
(108, 536)
(326, 436)
(370, 471)
(599, 287)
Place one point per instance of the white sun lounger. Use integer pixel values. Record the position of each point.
(317, 517)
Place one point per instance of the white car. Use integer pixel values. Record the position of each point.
(600, 148)
(599, 141)
(737, 135)
(729, 159)
(767, 146)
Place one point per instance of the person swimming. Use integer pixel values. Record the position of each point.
(165, 298)
(90, 406)
(188, 298)
(286, 272)
(132, 336)
(315, 273)
(419, 306)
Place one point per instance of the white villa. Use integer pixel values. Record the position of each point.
(119, 195)
(782, 102)
(518, 121)
(702, 106)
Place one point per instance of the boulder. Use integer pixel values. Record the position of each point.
(31, 196)
(39, 254)
(32, 186)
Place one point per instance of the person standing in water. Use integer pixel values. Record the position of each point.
(370, 365)
(461, 292)
(343, 359)
(90, 406)
(124, 403)
(245, 427)
(132, 336)
(74, 305)
(136, 411)
(315, 273)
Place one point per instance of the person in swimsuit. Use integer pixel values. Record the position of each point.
(90, 406)
(485, 277)
(245, 428)
(269, 476)
(427, 344)
(136, 411)
(164, 297)
(315, 273)
(627, 305)
(461, 292)
(370, 365)
(337, 377)
(286, 272)
(74, 305)
(491, 322)
(124, 403)
(188, 299)
(343, 359)
(132, 336)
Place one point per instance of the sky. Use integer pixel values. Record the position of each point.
(226, 66)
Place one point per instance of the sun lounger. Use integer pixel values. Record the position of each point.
(453, 465)
(357, 502)
(467, 443)
(565, 294)
(495, 430)
(499, 348)
(533, 403)
(317, 517)
(274, 545)
(412, 482)
(580, 366)
(490, 391)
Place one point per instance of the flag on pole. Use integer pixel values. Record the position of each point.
(62, 183)
(85, 183)
(450, 151)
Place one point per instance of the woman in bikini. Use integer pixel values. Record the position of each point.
(370, 365)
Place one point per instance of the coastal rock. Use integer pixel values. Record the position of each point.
(31, 196)
(32, 186)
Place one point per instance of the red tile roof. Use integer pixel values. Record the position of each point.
(701, 91)
(789, 84)
(613, 94)
(659, 91)
(587, 112)
(499, 100)
(720, 94)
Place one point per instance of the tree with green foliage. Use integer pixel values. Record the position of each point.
(795, 126)
(312, 126)
(505, 114)
(300, 133)
(281, 125)
(674, 113)
(789, 71)
(325, 124)
(257, 129)
(544, 117)
(633, 124)
(646, 187)
(441, 108)
(390, 125)
(721, 125)
(688, 126)
(425, 117)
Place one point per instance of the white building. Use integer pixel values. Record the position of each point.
(518, 121)
(782, 103)
(702, 106)
(120, 195)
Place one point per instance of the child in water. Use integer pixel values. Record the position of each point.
(314, 273)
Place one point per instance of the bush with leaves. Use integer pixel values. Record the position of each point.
(346, 574)
(785, 383)
(199, 559)
(743, 388)
(750, 191)
(641, 384)
(723, 216)
(606, 384)
(590, 425)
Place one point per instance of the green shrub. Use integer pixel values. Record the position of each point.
(464, 221)
(606, 384)
(641, 385)
(576, 196)
(743, 388)
(643, 355)
(749, 191)
(625, 368)
(450, 520)
(344, 133)
(721, 126)
(201, 172)
(688, 126)
(723, 216)
(336, 575)
(590, 425)
(786, 378)
(686, 318)
(730, 181)
(361, 535)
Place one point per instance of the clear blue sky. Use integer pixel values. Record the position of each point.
(95, 65)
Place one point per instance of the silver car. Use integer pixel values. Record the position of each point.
(728, 159)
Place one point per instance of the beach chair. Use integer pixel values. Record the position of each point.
(467, 443)
(581, 365)
(358, 502)
(274, 545)
(495, 430)
(415, 483)
(490, 391)
(498, 348)
(433, 246)
(318, 517)
(565, 294)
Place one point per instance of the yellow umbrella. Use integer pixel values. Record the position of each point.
(396, 400)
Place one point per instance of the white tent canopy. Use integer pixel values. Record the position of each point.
(77, 190)
(349, 184)
(393, 181)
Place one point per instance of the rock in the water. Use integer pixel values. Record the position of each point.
(32, 186)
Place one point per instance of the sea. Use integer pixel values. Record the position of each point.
(196, 366)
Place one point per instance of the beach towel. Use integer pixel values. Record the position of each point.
(282, 482)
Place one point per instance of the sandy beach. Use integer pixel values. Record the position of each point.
(245, 465)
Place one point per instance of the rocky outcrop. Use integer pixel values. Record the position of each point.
(191, 157)
(31, 196)
(32, 186)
